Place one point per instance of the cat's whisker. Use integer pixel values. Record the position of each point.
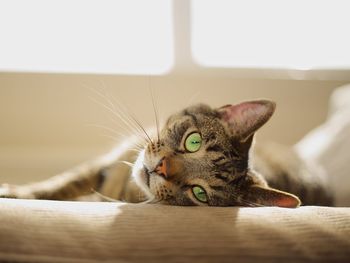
(139, 147)
(193, 97)
(112, 107)
(106, 198)
(113, 138)
(128, 114)
(115, 114)
(253, 203)
(154, 201)
(117, 136)
(143, 129)
(155, 109)
(122, 112)
(246, 202)
(118, 139)
(113, 110)
(127, 135)
(127, 163)
(108, 129)
(136, 150)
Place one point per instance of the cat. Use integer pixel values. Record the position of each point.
(202, 156)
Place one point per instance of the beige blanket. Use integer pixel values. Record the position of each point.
(57, 231)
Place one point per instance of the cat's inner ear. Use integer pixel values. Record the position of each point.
(266, 196)
(245, 118)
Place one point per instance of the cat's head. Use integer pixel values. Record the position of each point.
(202, 158)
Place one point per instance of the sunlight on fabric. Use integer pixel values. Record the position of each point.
(293, 34)
(71, 208)
(120, 36)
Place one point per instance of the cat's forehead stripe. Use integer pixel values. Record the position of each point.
(192, 116)
(179, 128)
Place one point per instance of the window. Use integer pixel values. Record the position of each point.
(144, 37)
(293, 34)
(96, 36)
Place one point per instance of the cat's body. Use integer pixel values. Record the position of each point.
(201, 157)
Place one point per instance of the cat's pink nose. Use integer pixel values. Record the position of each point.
(161, 168)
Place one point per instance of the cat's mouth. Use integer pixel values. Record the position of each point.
(147, 176)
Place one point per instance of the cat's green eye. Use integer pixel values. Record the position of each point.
(200, 194)
(193, 142)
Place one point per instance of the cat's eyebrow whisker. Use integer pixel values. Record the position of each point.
(143, 129)
(140, 128)
(133, 129)
(155, 109)
(123, 110)
(192, 98)
(122, 114)
(111, 108)
(133, 132)
(113, 113)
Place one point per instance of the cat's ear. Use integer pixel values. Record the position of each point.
(247, 117)
(266, 196)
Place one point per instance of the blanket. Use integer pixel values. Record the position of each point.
(59, 231)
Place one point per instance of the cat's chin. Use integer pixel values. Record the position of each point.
(140, 176)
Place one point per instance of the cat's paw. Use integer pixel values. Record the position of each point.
(15, 191)
(8, 191)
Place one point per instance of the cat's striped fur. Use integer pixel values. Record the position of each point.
(165, 172)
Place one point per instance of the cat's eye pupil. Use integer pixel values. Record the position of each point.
(193, 142)
(200, 194)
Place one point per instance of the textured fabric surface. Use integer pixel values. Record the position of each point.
(57, 231)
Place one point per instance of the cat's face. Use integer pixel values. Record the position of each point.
(201, 158)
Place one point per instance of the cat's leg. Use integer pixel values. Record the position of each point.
(69, 185)
(83, 180)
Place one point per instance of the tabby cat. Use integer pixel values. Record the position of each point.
(202, 156)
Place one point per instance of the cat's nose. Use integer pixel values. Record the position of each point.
(162, 167)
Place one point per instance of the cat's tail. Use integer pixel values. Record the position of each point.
(327, 146)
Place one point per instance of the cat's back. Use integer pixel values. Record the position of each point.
(285, 170)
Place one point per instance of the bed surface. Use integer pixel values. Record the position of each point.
(57, 231)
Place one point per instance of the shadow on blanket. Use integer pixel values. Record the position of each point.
(57, 231)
